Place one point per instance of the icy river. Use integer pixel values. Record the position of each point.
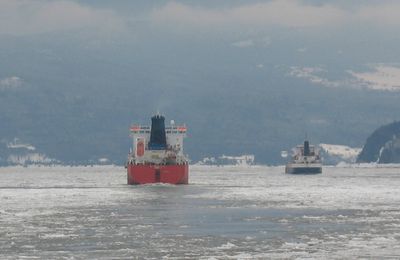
(225, 213)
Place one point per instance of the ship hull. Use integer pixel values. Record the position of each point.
(145, 174)
(303, 169)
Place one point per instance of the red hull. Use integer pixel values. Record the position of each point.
(143, 174)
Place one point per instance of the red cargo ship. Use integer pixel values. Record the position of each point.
(157, 154)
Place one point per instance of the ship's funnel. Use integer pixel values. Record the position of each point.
(158, 139)
(306, 148)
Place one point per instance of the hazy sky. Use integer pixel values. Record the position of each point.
(360, 33)
(19, 17)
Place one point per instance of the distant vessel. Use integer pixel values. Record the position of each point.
(305, 160)
(157, 154)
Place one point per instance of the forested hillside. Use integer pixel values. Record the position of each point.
(383, 145)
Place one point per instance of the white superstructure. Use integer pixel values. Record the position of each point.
(305, 159)
(174, 151)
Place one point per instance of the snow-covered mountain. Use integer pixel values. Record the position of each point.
(244, 76)
(334, 154)
(17, 152)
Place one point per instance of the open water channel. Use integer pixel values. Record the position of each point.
(225, 213)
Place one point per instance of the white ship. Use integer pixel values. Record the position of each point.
(305, 160)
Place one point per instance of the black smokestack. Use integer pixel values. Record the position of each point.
(158, 139)
(306, 148)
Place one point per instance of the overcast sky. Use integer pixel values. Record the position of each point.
(360, 33)
(19, 17)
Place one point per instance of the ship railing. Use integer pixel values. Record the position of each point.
(163, 163)
(138, 129)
